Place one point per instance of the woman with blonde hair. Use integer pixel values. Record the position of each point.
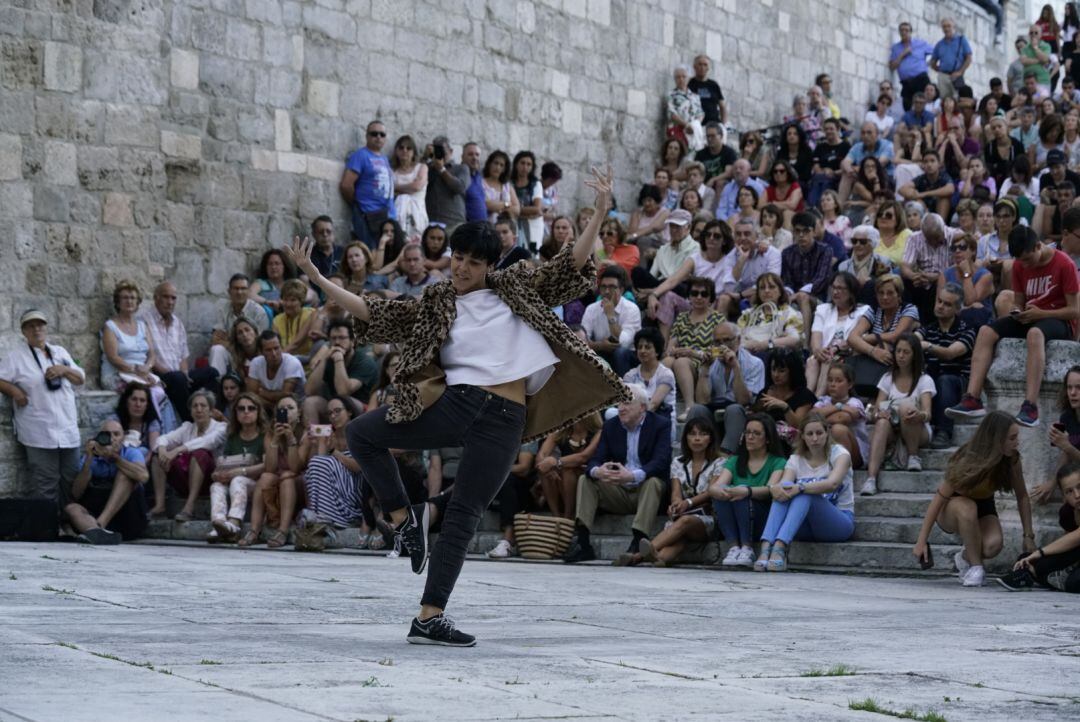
(964, 502)
(893, 233)
(410, 187)
(296, 321)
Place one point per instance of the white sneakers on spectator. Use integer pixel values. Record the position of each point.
(914, 463)
(974, 576)
(869, 487)
(738, 556)
(502, 550)
(962, 564)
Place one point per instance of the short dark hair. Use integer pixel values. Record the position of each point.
(931, 152)
(649, 191)
(505, 219)
(1070, 220)
(267, 335)
(551, 170)
(804, 219)
(792, 360)
(321, 219)
(1066, 186)
(616, 272)
(833, 121)
(477, 239)
(1021, 240)
(340, 323)
(653, 336)
(702, 282)
(239, 277)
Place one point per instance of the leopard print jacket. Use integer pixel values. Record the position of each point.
(581, 385)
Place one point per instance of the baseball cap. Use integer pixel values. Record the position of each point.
(32, 315)
(679, 217)
(1055, 157)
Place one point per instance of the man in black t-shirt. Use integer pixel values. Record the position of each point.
(827, 157)
(712, 98)
(715, 156)
(947, 343)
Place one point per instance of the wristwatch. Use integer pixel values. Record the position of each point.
(771, 345)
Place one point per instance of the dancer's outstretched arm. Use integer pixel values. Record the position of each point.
(300, 254)
(586, 242)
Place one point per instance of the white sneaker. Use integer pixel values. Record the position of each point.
(962, 564)
(974, 577)
(502, 550)
(914, 463)
(732, 558)
(869, 487)
(746, 558)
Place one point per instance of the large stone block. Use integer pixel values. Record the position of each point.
(282, 130)
(131, 125)
(60, 165)
(322, 97)
(243, 40)
(51, 203)
(63, 67)
(117, 210)
(181, 145)
(184, 69)
(10, 157)
(330, 23)
(225, 77)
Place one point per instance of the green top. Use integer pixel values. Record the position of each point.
(361, 367)
(234, 446)
(1042, 75)
(772, 463)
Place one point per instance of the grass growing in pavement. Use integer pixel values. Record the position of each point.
(837, 670)
(208, 661)
(48, 588)
(373, 682)
(871, 705)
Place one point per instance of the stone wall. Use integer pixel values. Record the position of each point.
(153, 138)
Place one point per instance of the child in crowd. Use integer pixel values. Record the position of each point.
(964, 502)
(1065, 432)
(813, 500)
(846, 414)
(1056, 565)
(742, 492)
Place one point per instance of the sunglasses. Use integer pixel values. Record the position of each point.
(859, 241)
(958, 247)
(376, 134)
(888, 216)
(433, 224)
(609, 233)
(699, 293)
(779, 170)
(714, 234)
(247, 409)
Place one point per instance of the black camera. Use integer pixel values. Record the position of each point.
(282, 416)
(439, 151)
(54, 384)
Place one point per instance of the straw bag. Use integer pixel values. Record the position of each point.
(542, 537)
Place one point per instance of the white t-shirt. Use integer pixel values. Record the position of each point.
(290, 368)
(858, 427)
(488, 345)
(896, 396)
(827, 322)
(536, 225)
(844, 497)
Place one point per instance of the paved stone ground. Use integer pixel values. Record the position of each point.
(142, 632)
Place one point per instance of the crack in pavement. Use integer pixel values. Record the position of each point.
(980, 685)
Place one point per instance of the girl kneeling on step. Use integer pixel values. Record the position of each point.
(964, 503)
(813, 501)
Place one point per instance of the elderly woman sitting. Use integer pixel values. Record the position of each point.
(865, 265)
(877, 331)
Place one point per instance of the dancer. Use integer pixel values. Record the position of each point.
(484, 365)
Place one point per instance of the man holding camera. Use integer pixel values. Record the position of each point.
(41, 378)
(103, 503)
(447, 181)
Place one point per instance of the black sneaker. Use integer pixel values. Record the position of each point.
(439, 630)
(99, 537)
(413, 532)
(942, 440)
(1019, 580)
(578, 553)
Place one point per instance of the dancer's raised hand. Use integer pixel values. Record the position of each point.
(300, 254)
(602, 183)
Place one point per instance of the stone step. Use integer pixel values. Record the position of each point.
(866, 555)
(892, 504)
(902, 530)
(904, 482)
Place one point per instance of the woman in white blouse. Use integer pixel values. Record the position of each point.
(185, 457)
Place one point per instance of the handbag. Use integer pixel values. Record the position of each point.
(762, 322)
(311, 538)
(542, 537)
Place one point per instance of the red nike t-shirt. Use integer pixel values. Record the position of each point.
(1046, 286)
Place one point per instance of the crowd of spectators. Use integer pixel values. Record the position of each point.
(788, 306)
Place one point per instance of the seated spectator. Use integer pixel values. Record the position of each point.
(648, 228)
(716, 156)
(934, 186)
(901, 412)
(689, 518)
(728, 203)
(326, 253)
(332, 480)
(340, 368)
(691, 339)
(274, 373)
(185, 457)
(386, 256)
(965, 217)
(384, 389)
(690, 201)
(357, 270)
(625, 475)
(241, 349)
(673, 158)
(844, 413)
(926, 256)
(753, 150)
(870, 180)
(695, 180)
(274, 270)
(141, 425)
(238, 307)
(914, 212)
(956, 149)
(992, 251)
(414, 277)
(984, 219)
(1050, 213)
(287, 447)
(877, 331)
(741, 493)
(499, 195)
(746, 207)
(40, 378)
(1046, 307)
(798, 136)
(770, 322)
(237, 469)
(1022, 185)
(976, 182)
(611, 322)
(562, 232)
(436, 247)
(786, 399)
(128, 353)
(813, 500)
(736, 377)
(296, 321)
(964, 502)
(717, 241)
(835, 223)
(615, 248)
(919, 118)
(881, 117)
(562, 459)
(946, 343)
(104, 504)
(869, 145)
(749, 260)
(976, 284)
(828, 155)
(832, 325)
(1055, 565)
(325, 315)
(1001, 149)
(171, 348)
(515, 497)
(668, 192)
(657, 378)
(670, 256)
(806, 266)
(772, 228)
(410, 190)
(784, 191)
(582, 218)
(231, 386)
(865, 265)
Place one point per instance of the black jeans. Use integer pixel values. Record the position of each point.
(489, 428)
(1056, 562)
(909, 87)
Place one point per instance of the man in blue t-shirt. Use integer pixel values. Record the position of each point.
(951, 57)
(367, 185)
(908, 59)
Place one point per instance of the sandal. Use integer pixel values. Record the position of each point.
(276, 540)
(183, 516)
(762, 562)
(250, 537)
(780, 563)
